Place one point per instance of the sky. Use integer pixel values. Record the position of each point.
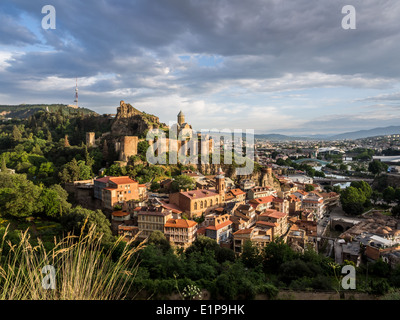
(273, 66)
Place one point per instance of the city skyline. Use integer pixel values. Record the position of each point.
(286, 68)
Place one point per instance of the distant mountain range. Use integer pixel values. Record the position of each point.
(342, 136)
(367, 133)
(24, 111)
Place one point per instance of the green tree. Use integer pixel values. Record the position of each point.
(309, 187)
(250, 256)
(4, 165)
(16, 134)
(275, 254)
(389, 195)
(183, 182)
(352, 200)
(19, 197)
(376, 167)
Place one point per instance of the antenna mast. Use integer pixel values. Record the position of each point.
(76, 93)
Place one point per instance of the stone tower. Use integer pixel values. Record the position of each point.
(181, 118)
(128, 147)
(220, 182)
(90, 137)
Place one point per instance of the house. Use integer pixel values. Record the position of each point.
(180, 232)
(294, 204)
(280, 204)
(196, 202)
(259, 237)
(244, 217)
(220, 228)
(277, 218)
(263, 203)
(151, 219)
(315, 202)
(237, 195)
(115, 190)
(259, 192)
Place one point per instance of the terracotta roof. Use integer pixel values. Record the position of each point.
(294, 198)
(243, 231)
(120, 213)
(276, 199)
(237, 192)
(171, 206)
(180, 223)
(266, 223)
(122, 180)
(201, 231)
(104, 179)
(273, 214)
(198, 194)
(220, 226)
(260, 200)
(117, 180)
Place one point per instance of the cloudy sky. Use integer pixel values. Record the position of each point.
(269, 65)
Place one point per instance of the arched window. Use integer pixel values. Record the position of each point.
(201, 204)
(216, 200)
(205, 203)
(211, 203)
(195, 206)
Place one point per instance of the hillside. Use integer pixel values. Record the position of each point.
(24, 111)
(367, 133)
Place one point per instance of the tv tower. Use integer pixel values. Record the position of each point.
(76, 93)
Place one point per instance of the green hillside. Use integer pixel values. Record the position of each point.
(24, 111)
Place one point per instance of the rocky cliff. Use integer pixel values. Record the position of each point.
(132, 122)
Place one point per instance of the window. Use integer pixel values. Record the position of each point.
(195, 206)
(201, 204)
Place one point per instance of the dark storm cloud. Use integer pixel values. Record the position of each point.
(133, 47)
(12, 33)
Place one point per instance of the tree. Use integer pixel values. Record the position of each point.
(397, 195)
(19, 197)
(183, 182)
(389, 195)
(3, 165)
(79, 217)
(376, 167)
(352, 200)
(250, 255)
(16, 134)
(275, 254)
(364, 187)
(309, 187)
(158, 239)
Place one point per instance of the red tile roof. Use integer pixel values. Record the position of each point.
(220, 226)
(265, 223)
(120, 213)
(237, 192)
(273, 214)
(180, 223)
(198, 194)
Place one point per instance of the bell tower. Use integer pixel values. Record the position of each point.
(220, 182)
(181, 118)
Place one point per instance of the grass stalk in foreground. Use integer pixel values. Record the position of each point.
(83, 270)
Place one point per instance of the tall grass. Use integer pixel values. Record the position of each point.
(84, 271)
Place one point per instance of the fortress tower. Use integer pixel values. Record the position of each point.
(90, 139)
(128, 147)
